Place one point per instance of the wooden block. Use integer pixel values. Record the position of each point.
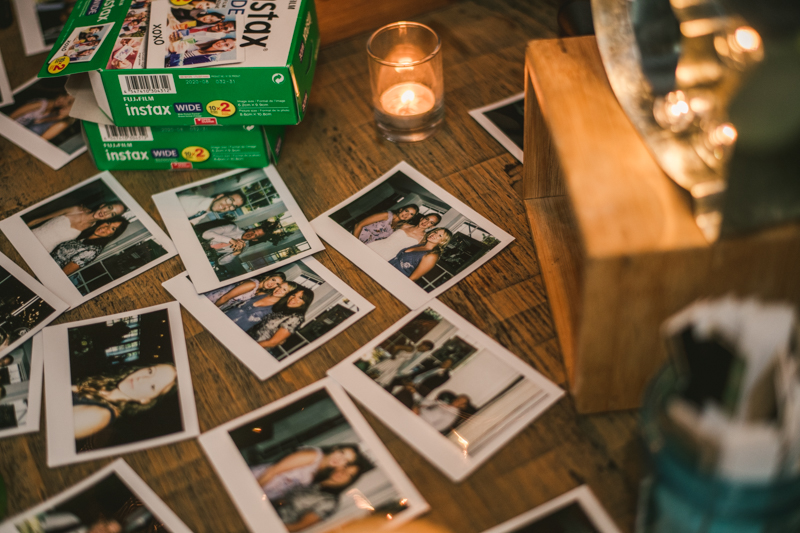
(619, 250)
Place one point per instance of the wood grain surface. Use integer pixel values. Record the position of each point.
(331, 155)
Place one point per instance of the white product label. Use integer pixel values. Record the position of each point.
(116, 134)
(147, 84)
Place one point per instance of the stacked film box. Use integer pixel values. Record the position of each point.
(277, 46)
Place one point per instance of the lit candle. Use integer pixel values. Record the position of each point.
(407, 99)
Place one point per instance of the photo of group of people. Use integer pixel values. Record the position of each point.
(197, 34)
(128, 379)
(445, 387)
(236, 225)
(20, 390)
(577, 511)
(113, 500)
(315, 459)
(421, 240)
(87, 239)
(26, 306)
(505, 121)
(129, 48)
(41, 22)
(284, 313)
(83, 43)
(38, 122)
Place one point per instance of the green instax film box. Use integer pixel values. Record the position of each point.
(266, 83)
(182, 147)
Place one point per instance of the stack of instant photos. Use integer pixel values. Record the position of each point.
(739, 403)
(181, 84)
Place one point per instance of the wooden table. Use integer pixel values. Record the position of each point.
(332, 154)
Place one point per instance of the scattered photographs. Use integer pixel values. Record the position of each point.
(25, 306)
(577, 511)
(446, 388)
(505, 121)
(83, 43)
(236, 225)
(41, 22)
(6, 96)
(410, 235)
(21, 388)
(293, 310)
(128, 376)
(113, 500)
(315, 459)
(38, 122)
(129, 48)
(87, 239)
(193, 35)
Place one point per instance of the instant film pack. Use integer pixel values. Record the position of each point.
(183, 84)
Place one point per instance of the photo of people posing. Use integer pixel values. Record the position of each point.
(41, 22)
(421, 240)
(577, 511)
(20, 389)
(314, 458)
(87, 239)
(38, 122)
(231, 227)
(128, 379)
(450, 391)
(112, 500)
(26, 306)
(505, 121)
(83, 43)
(129, 48)
(198, 35)
(272, 320)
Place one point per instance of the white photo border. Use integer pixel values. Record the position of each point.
(405, 290)
(29, 27)
(254, 357)
(191, 251)
(33, 418)
(43, 150)
(6, 96)
(60, 432)
(129, 478)
(420, 435)
(247, 495)
(58, 305)
(582, 496)
(479, 115)
(47, 269)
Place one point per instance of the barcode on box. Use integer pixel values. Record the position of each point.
(147, 84)
(116, 133)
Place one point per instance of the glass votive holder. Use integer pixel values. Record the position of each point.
(405, 68)
(682, 497)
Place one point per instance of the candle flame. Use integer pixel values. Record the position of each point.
(407, 97)
(747, 38)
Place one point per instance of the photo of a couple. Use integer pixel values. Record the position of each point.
(93, 236)
(239, 224)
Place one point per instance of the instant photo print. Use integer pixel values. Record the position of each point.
(40, 22)
(245, 315)
(115, 239)
(341, 471)
(38, 121)
(117, 384)
(240, 62)
(410, 235)
(577, 511)
(236, 225)
(26, 306)
(114, 498)
(446, 388)
(21, 388)
(505, 121)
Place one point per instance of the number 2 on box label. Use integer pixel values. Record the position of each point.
(195, 154)
(58, 64)
(221, 108)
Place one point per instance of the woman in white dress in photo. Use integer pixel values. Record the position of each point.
(67, 224)
(404, 237)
